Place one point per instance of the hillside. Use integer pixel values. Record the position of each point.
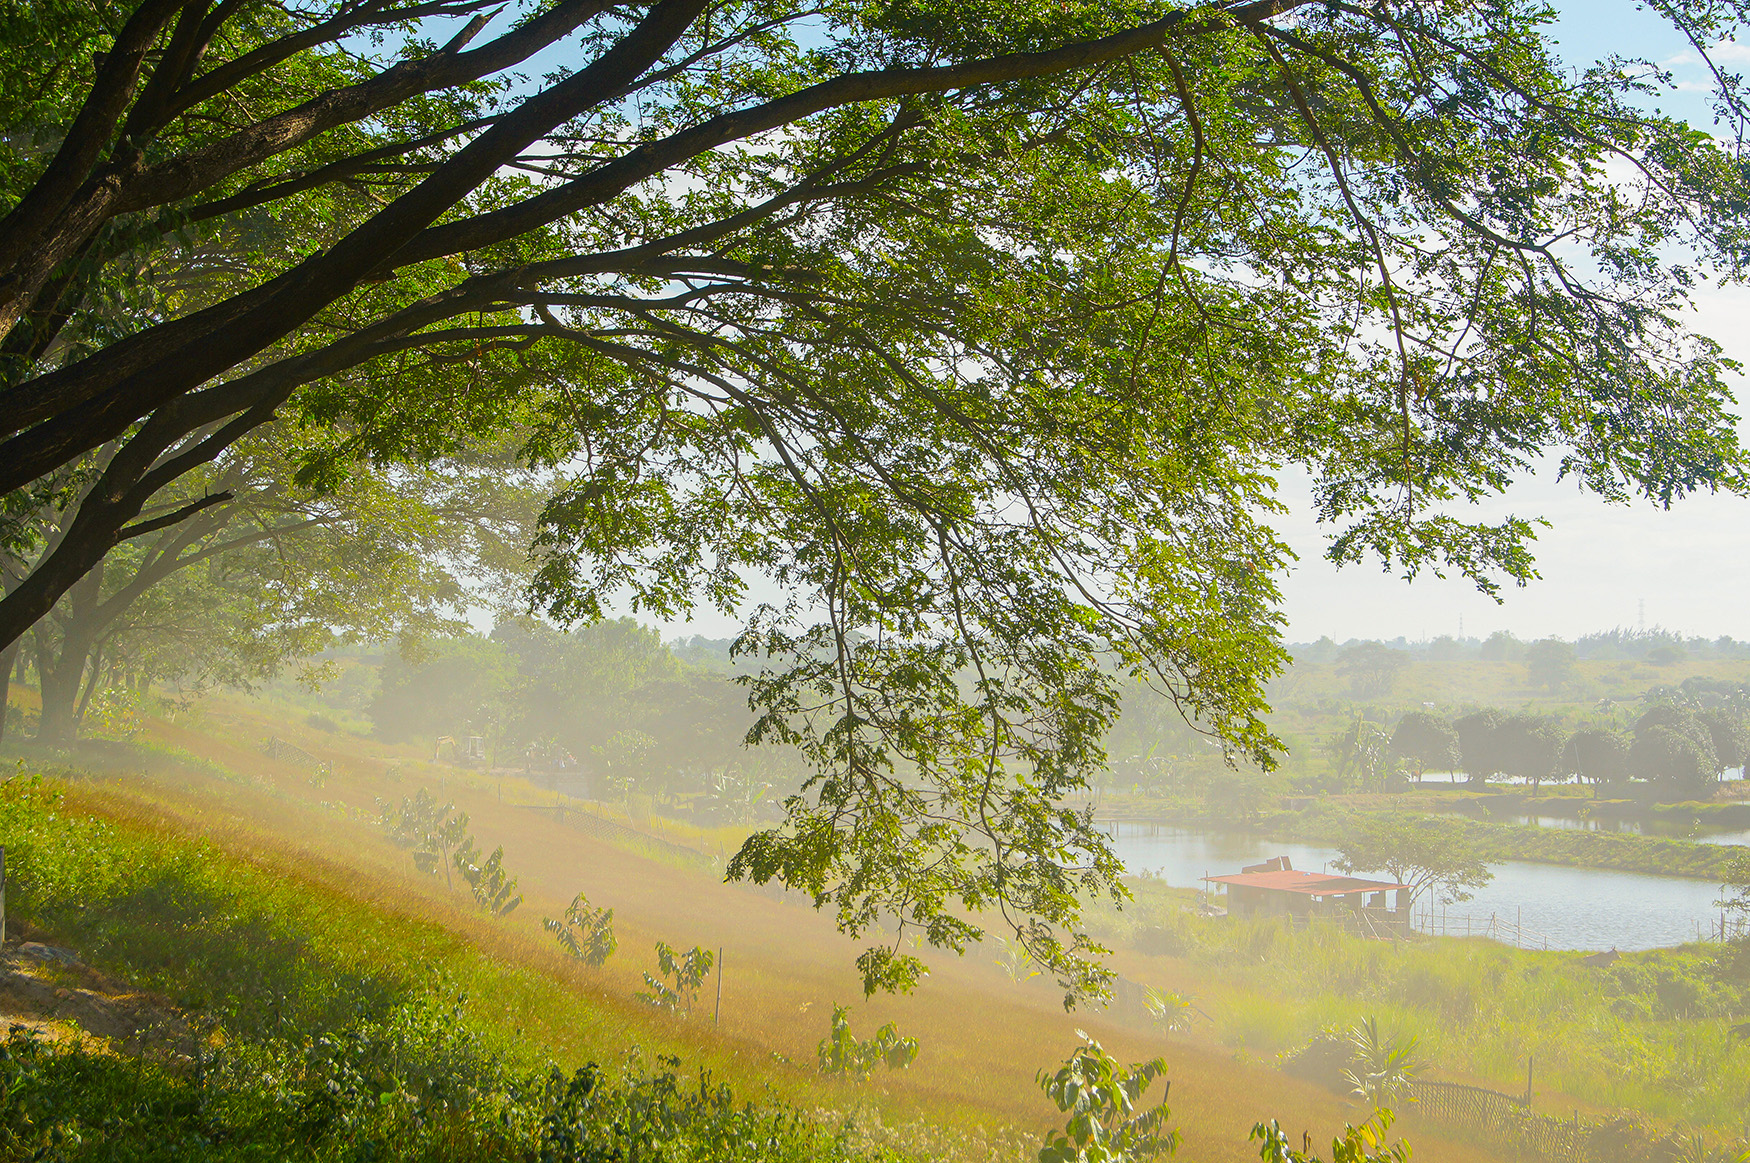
(314, 889)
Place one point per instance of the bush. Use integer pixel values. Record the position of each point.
(841, 1053)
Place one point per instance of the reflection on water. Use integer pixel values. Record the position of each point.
(1576, 908)
(1672, 829)
(1730, 775)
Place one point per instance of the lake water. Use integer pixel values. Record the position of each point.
(1658, 828)
(1575, 908)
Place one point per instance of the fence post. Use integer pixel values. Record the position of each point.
(2, 893)
(717, 1015)
(1529, 1061)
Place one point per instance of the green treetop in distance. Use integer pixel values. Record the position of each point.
(1428, 854)
(1550, 663)
(1596, 755)
(1531, 748)
(1425, 742)
(981, 329)
(1371, 667)
(1480, 750)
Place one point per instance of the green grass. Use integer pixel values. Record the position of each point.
(1649, 1032)
(1328, 823)
(1621, 851)
(331, 1029)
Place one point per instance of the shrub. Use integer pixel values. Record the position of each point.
(688, 970)
(1103, 1100)
(1363, 1144)
(493, 890)
(585, 933)
(841, 1053)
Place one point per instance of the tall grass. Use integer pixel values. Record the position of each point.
(1649, 1031)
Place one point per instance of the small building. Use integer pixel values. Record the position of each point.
(1275, 888)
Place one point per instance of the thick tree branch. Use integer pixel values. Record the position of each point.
(141, 528)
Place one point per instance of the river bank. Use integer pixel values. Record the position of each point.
(1326, 820)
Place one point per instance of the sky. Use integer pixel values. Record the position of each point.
(1601, 565)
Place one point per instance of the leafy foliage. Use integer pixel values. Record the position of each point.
(840, 1052)
(1371, 667)
(1426, 853)
(1426, 742)
(1104, 1101)
(584, 932)
(1173, 1012)
(686, 970)
(1736, 886)
(1550, 663)
(493, 889)
(1530, 747)
(1479, 744)
(1597, 755)
(1382, 1067)
(431, 829)
(1363, 1144)
(1360, 752)
(982, 335)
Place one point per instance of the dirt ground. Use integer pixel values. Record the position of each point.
(47, 989)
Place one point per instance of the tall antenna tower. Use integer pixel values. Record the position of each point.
(1461, 627)
(1643, 605)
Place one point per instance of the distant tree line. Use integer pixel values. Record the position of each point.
(610, 698)
(1676, 751)
(1654, 645)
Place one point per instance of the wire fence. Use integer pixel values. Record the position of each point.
(277, 748)
(1438, 922)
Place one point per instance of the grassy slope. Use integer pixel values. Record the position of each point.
(983, 1037)
(1649, 1032)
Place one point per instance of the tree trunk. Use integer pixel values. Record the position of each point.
(61, 679)
(8, 659)
(61, 666)
(95, 680)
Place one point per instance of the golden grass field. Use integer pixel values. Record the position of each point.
(983, 1036)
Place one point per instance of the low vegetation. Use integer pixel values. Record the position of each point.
(1651, 1031)
(326, 1029)
(1492, 842)
(842, 1052)
(1108, 1119)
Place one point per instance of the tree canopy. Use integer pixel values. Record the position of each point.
(982, 330)
(1426, 742)
(1428, 854)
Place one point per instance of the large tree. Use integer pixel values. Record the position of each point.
(274, 570)
(1426, 742)
(1425, 853)
(1480, 744)
(1530, 748)
(982, 329)
(1371, 667)
(1596, 755)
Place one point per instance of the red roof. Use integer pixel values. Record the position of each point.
(1308, 883)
